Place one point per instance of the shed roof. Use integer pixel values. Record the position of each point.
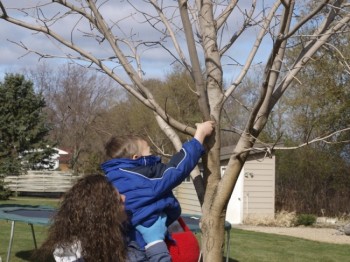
(226, 151)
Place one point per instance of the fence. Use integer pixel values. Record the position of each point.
(41, 182)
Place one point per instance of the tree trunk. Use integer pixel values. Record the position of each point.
(217, 197)
(213, 235)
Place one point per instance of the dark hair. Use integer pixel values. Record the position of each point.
(91, 212)
(123, 146)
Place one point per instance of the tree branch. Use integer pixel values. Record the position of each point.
(246, 24)
(196, 70)
(315, 140)
(347, 65)
(306, 19)
(253, 51)
(257, 120)
(172, 35)
(305, 57)
(221, 20)
(3, 10)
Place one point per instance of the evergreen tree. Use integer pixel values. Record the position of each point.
(23, 128)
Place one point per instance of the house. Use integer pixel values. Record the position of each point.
(64, 159)
(60, 160)
(254, 193)
(52, 181)
(56, 156)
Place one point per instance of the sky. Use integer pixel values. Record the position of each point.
(155, 62)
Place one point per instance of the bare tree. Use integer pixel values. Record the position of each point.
(76, 99)
(212, 33)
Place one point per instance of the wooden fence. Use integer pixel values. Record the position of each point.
(41, 182)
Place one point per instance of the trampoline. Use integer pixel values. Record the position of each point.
(39, 215)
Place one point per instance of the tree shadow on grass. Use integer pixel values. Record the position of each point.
(25, 255)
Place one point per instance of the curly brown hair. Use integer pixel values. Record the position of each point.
(91, 212)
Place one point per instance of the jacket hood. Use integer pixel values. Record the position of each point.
(114, 163)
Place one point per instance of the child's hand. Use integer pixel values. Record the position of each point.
(155, 232)
(204, 129)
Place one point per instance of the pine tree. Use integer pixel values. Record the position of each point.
(23, 128)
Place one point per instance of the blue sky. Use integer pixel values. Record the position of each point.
(156, 63)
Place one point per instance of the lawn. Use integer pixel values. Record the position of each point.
(249, 246)
(245, 245)
(23, 241)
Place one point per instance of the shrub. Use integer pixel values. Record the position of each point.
(305, 220)
(5, 193)
(285, 219)
(282, 219)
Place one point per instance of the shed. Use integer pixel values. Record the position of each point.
(254, 193)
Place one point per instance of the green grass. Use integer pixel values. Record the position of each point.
(246, 246)
(249, 246)
(23, 243)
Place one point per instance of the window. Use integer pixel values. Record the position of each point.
(222, 169)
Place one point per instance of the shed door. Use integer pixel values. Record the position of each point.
(234, 213)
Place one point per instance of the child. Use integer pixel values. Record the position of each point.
(146, 182)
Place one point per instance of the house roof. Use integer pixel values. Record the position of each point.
(61, 152)
(227, 151)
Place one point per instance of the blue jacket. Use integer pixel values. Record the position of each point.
(147, 184)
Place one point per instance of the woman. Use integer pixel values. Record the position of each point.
(90, 226)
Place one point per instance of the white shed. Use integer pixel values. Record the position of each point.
(253, 196)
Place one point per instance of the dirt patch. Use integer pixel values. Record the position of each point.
(329, 235)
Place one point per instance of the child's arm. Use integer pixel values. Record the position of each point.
(168, 176)
(183, 162)
(155, 232)
(156, 249)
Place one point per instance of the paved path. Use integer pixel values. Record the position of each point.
(329, 235)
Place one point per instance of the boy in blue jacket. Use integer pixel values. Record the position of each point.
(146, 182)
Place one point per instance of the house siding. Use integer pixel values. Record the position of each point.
(188, 199)
(258, 190)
